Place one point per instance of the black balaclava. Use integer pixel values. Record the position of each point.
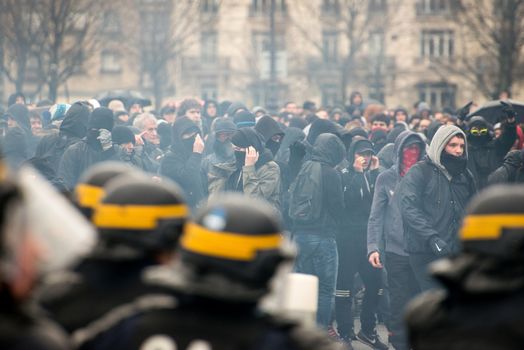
(183, 126)
(454, 165)
(480, 123)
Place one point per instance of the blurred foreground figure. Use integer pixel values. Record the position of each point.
(139, 222)
(227, 257)
(483, 297)
(21, 325)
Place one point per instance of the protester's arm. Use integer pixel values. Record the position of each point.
(332, 185)
(67, 169)
(506, 140)
(377, 215)
(262, 184)
(507, 171)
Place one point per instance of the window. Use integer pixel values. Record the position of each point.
(262, 52)
(329, 46)
(330, 8)
(110, 63)
(437, 43)
(209, 6)
(111, 24)
(209, 92)
(329, 95)
(375, 6)
(438, 95)
(208, 47)
(377, 91)
(433, 7)
(376, 44)
(263, 7)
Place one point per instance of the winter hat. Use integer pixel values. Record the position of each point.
(244, 119)
(478, 122)
(122, 134)
(258, 109)
(224, 125)
(58, 111)
(234, 108)
(297, 122)
(101, 118)
(20, 114)
(75, 120)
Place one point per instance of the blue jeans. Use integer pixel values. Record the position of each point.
(318, 256)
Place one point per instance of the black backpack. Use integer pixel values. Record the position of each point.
(305, 193)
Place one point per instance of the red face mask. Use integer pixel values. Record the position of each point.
(410, 155)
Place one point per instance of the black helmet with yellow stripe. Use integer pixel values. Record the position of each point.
(90, 189)
(141, 214)
(494, 225)
(236, 240)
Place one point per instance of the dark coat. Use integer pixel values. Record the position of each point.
(385, 229)
(182, 165)
(432, 202)
(328, 150)
(511, 171)
(480, 307)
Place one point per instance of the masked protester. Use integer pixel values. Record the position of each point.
(433, 196)
(316, 209)
(271, 132)
(22, 326)
(256, 175)
(218, 166)
(213, 292)
(480, 306)
(359, 185)
(486, 153)
(385, 235)
(511, 171)
(96, 147)
(139, 222)
(125, 143)
(183, 162)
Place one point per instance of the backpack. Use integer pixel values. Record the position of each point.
(305, 193)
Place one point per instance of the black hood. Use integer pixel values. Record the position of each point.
(291, 135)
(328, 149)
(321, 126)
(268, 128)
(75, 121)
(432, 129)
(234, 107)
(408, 138)
(249, 137)
(358, 143)
(20, 113)
(181, 126)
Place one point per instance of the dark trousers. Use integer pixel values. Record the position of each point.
(353, 259)
(420, 264)
(403, 287)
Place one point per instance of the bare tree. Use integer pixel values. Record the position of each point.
(20, 38)
(492, 35)
(357, 21)
(167, 29)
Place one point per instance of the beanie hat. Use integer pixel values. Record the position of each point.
(244, 119)
(101, 118)
(59, 110)
(122, 134)
(224, 125)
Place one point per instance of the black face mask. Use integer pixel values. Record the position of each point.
(479, 140)
(240, 157)
(273, 146)
(92, 139)
(454, 165)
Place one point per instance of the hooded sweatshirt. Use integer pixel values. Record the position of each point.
(268, 128)
(181, 164)
(432, 202)
(385, 229)
(329, 151)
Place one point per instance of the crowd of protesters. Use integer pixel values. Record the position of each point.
(371, 196)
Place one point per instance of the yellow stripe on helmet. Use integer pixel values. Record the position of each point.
(226, 245)
(140, 217)
(485, 227)
(88, 196)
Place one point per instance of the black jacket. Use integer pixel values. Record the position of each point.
(328, 150)
(511, 171)
(182, 165)
(432, 202)
(480, 307)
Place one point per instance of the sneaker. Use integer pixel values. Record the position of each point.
(333, 335)
(372, 340)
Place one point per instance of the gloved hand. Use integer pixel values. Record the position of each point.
(464, 111)
(438, 246)
(105, 139)
(508, 110)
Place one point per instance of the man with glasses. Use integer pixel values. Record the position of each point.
(486, 153)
